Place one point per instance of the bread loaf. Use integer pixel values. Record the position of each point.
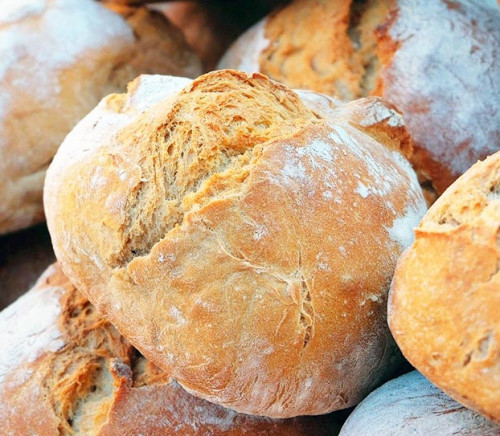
(58, 58)
(445, 298)
(241, 236)
(64, 370)
(438, 62)
(410, 405)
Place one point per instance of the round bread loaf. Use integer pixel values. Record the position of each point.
(410, 406)
(438, 62)
(58, 58)
(445, 299)
(241, 240)
(64, 370)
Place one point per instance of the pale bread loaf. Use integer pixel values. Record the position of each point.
(412, 406)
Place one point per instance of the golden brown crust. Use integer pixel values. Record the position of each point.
(405, 51)
(445, 296)
(48, 83)
(221, 231)
(93, 382)
(331, 48)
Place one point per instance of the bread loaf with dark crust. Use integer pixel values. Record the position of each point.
(445, 298)
(240, 235)
(438, 62)
(58, 58)
(64, 370)
(410, 405)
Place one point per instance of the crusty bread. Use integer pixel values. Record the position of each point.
(242, 240)
(66, 371)
(445, 299)
(58, 58)
(438, 62)
(412, 406)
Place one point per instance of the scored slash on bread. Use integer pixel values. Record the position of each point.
(240, 240)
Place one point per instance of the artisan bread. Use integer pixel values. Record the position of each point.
(438, 62)
(243, 238)
(410, 405)
(58, 58)
(445, 298)
(64, 370)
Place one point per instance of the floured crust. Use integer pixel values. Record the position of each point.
(411, 405)
(240, 240)
(438, 62)
(445, 296)
(64, 370)
(58, 58)
(441, 68)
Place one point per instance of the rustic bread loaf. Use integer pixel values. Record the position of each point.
(58, 58)
(410, 405)
(243, 238)
(64, 370)
(445, 298)
(438, 62)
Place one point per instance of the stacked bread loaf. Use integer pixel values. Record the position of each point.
(232, 254)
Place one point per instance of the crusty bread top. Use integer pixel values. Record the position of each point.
(410, 405)
(238, 238)
(445, 298)
(58, 58)
(64, 370)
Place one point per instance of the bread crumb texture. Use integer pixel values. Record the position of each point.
(242, 239)
(58, 58)
(445, 299)
(438, 62)
(76, 375)
(411, 405)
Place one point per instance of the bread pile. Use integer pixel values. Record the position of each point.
(438, 61)
(232, 254)
(47, 88)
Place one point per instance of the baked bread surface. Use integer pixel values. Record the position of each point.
(65, 370)
(411, 405)
(438, 62)
(444, 308)
(242, 240)
(58, 58)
